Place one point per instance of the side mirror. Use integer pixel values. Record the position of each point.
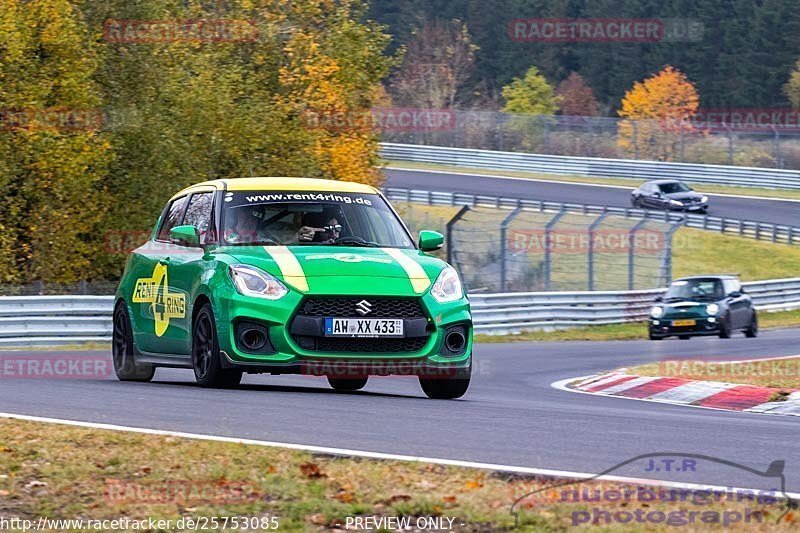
(184, 235)
(734, 294)
(430, 240)
(657, 194)
(658, 299)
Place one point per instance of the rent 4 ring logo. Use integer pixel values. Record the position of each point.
(164, 304)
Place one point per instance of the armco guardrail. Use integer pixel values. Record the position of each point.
(50, 320)
(514, 312)
(743, 228)
(53, 320)
(594, 167)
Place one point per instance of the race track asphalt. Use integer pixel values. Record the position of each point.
(760, 210)
(510, 416)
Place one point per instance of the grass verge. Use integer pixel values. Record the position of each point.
(775, 373)
(628, 331)
(63, 472)
(622, 182)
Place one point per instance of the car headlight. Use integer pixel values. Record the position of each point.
(656, 311)
(252, 281)
(712, 309)
(447, 287)
(704, 199)
(675, 203)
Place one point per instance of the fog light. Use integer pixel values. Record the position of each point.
(656, 322)
(712, 319)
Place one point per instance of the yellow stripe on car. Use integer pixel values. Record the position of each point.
(289, 266)
(416, 274)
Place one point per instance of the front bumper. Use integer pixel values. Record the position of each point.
(689, 208)
(422, 352)
(666, 327)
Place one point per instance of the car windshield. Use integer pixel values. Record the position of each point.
(695, 289)
(673, 187)
(305, 218)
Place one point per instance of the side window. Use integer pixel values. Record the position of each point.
(172, 218)
(732, 285)
(198, 214)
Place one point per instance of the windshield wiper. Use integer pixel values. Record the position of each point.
(354, 241)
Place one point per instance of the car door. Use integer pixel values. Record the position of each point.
(187, 265)
(650, 199)
(738, 303)
(155, 303)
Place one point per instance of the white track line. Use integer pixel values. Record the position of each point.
(496, 176)
(379, 455)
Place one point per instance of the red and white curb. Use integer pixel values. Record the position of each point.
(708, 394)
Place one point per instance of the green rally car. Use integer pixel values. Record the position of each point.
(291, 276)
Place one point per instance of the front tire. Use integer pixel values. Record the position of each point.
(347, 385)
(684, 337)
(440, 388)
(725, 329)
(752, 329)
(122, 349)
(208, 371)
(654, 337)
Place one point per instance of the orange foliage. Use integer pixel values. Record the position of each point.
(662, 106)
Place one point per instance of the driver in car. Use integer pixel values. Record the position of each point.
(244, 227)
(321, 227)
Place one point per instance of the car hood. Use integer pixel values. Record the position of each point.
(688, 309)
(684, 195)
(344, 269)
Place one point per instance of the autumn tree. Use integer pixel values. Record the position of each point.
(792, 88)
(657, 115)
(437, 62)
(576, 97)
(53, 161)
(530, 94)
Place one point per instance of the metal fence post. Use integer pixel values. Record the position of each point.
(592, 227)
(547, 254)
(503, 250)
(668, 252)
(635, 140)
(449, 231)
(730, 144)
(631, 251)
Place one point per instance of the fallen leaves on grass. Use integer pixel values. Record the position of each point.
(311, 471)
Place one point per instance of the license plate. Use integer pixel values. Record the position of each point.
(363, 327)
(684, 322)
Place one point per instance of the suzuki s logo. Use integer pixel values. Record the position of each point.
(363, 307)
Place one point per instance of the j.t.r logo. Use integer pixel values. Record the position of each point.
(163, 304)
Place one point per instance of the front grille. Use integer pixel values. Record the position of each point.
(377, 345)
(346, 307)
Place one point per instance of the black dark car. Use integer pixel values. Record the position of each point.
(703, 305)
(669, 194)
